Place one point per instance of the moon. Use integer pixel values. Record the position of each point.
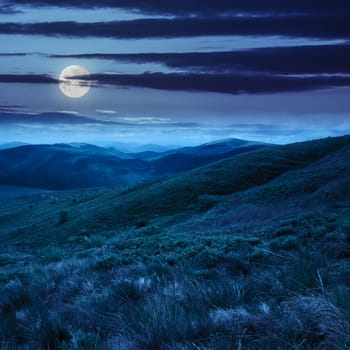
(74, 88)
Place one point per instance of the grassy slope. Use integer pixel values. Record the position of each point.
(179, 193)
(210, 283)
(321, 186)
(169, 198)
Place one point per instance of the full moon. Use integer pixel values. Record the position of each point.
(74, 88)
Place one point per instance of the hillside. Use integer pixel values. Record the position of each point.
(183, 161)
(170, 199)
(320, 187)
(248, 252)
(215, 148)
(69, 166)
(15, 192)
(238, 173)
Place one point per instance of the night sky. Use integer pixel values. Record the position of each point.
(178, 72)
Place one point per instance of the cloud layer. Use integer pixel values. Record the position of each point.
(325, 59)
(220, 83)
(292, 26)
(193, 7)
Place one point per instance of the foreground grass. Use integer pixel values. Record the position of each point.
(285, 287)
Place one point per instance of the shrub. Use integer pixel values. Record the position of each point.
(92, 241)
(15, 296)
(286, 230)
(111, 260)
(6, 259)
(83, 341)
(50, 253)
(162, 321)
(48, 331)
(284, 242)
(130, 290)
(141, 223)
(323, 325)
(63, 217)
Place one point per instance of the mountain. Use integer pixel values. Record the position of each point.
(214, 148)
(15, 192)
(69, 166)
(189, 195)
(76, 165)
(187, 158)
(184, 160)
(11, 145)
(139, 148)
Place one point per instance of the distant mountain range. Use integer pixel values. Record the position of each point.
(68, 166)
(11, 145)
(252, 188)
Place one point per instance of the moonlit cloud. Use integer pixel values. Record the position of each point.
(222, 83)
(151, 120)
(106, 111)
(228, 83)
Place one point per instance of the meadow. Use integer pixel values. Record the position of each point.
(249, 252)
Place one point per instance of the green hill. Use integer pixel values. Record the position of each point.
(183, 192)
(251, 252)
(320, 187)
(72, 166)
(171, 199)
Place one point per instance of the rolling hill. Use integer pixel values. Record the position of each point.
(227, 176)
(254, 248)
(11, 145)
(173, 199)
(321, 187)
(68, 166)
(215, 148)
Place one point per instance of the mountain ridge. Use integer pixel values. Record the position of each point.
(79, 165)
(170, 200)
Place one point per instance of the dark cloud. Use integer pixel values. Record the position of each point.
(193, 7)
(7, 8)
(26, 78)
(13, 54)
(221, 83)
(281, 60)
(10, 108)
(294, 26)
